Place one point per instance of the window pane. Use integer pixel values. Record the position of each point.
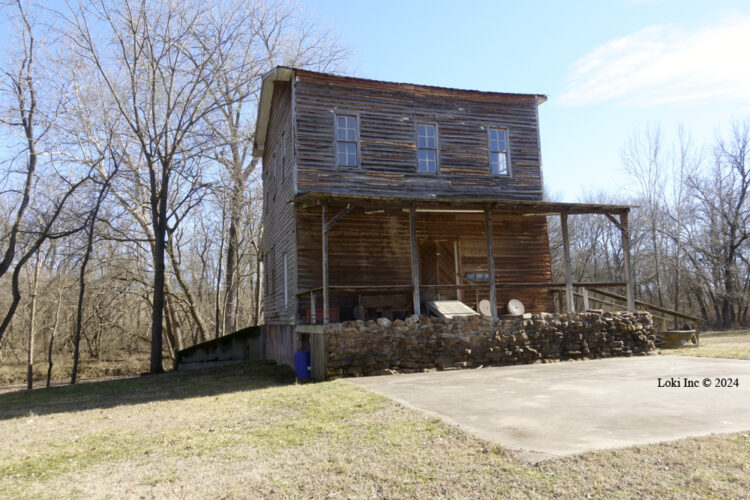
(351, 129)
(493, 140)
(346, 154)
(346, 128)
(426, 136)
(498, 163)
(500, 140)
(497, 139)
(427, 160)
(351, 154)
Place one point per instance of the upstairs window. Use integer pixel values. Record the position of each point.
(346, 141)
(427, 149)
(498, 143)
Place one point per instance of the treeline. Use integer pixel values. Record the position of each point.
(130, 217)
(690, 234)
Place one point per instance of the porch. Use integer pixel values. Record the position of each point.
(396, 254)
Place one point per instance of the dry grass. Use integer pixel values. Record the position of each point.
(249, 431)
(730, 344)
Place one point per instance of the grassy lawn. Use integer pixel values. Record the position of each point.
(250, 431)
(731, 344)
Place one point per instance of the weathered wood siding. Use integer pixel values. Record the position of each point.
(388, 116)
(373, 249)
(279, 228)
(281, 343)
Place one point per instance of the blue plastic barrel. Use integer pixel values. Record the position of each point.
(302, 364)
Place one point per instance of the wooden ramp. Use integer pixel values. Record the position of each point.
(450, 309)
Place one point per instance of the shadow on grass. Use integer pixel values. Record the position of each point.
(145, 389)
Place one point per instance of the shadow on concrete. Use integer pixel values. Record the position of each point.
(144, 389)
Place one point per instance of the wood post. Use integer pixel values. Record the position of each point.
(414, 261)
(313, 318)
(628, 269)
(569, 299)
(491, 263)
(586, 305)
(458, 269)
(325, 263)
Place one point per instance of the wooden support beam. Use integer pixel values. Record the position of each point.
(324, 231)
(569, 298)
(491, 262)
(414, 261)
(628, 269)
(313, 319)
(337, 217)
(456, 259)
(617, 223)
(585, 296)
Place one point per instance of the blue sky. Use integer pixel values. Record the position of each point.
(609, 68)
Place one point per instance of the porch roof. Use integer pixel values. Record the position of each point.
(496, 204)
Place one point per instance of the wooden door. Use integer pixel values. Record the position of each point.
(438, 266)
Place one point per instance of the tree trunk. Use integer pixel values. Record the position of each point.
(79, 308)
(157, 315)
(82, 279)
(32, 325)
(230, 309)
(256, 311)
(657, 263)
(55, 323)
(219, 328)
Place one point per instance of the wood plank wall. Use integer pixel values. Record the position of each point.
(388, 115)
(279, 227)
(367, 249)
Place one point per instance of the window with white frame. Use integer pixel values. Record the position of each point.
(346, 141)
(427, 148)
(498, 148)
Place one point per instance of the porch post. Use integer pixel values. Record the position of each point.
(414, 261)
(627, 268)
(586, 305)
(568, 271)
(491, 262)
(324, 235)
(313, 319)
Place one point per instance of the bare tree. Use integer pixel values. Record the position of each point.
(723, 216)
(170, 66)
(270, 34)
(644, 159)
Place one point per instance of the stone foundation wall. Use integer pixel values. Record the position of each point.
(424, 343)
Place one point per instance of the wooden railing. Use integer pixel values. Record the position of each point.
(670, 312)
(476, 286)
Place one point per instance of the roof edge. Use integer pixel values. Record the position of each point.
(277, 74)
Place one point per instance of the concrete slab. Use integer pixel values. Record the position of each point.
(566, 408)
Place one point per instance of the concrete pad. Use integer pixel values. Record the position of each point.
(566, 408)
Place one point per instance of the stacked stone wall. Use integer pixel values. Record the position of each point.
(423, 343)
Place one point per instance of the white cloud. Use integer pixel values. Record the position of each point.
(666, 64)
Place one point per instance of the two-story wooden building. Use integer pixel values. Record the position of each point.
(380, 196)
